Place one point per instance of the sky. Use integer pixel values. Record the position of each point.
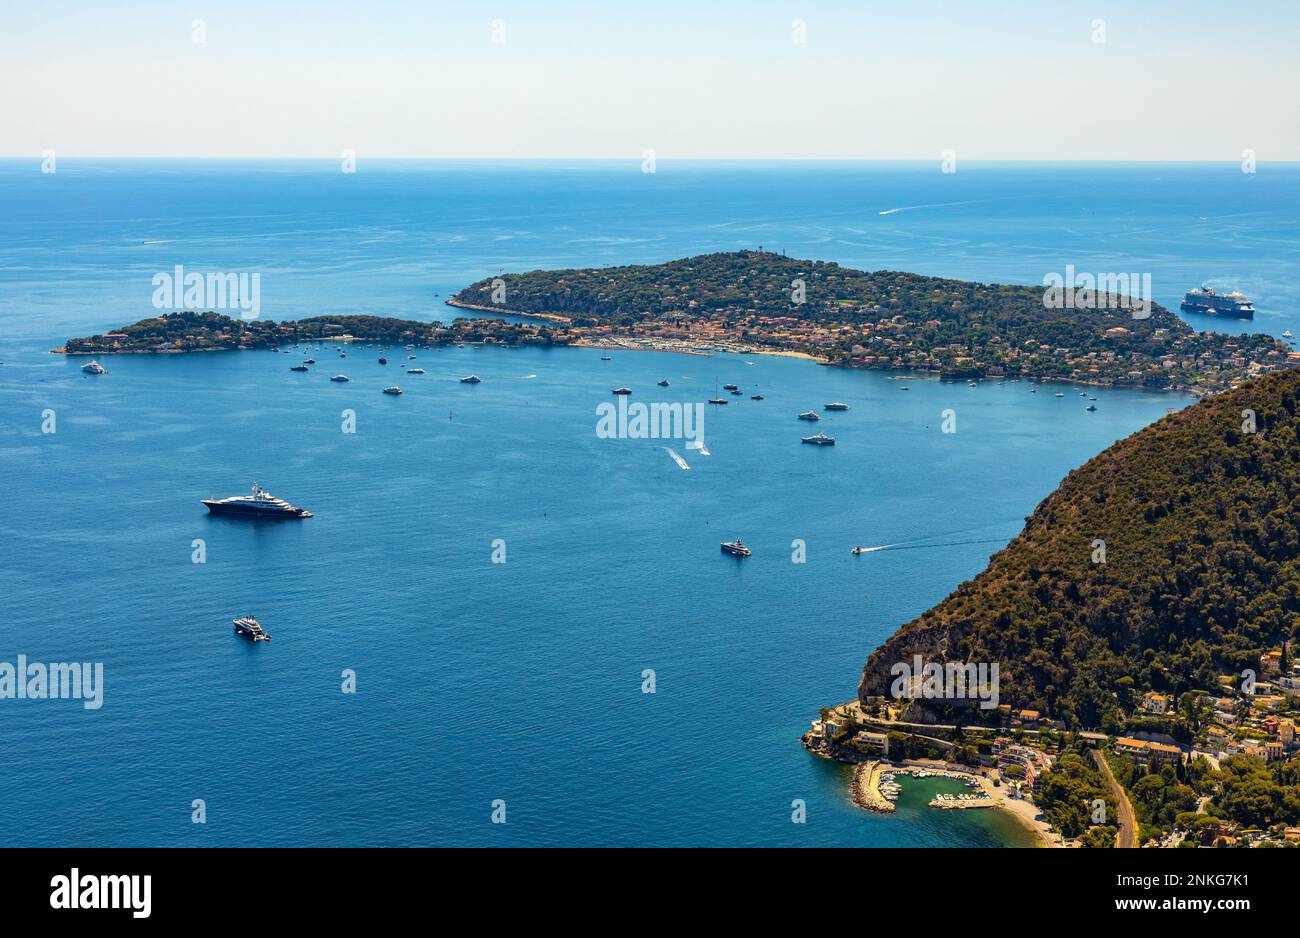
(706, 79)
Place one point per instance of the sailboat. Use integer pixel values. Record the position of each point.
(715, 399)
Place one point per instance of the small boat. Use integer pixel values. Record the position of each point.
(756, 397)
(622, 391)
(820, 439)
(409, 357)
(300, 368)
(736, 548)
(718, 400)
(382, 360)
(415, 371)
(1060, 394)
(858, 550)
(393, 390)
(309, 361)
(251, 629)
(1287, 334)
(605, 357)
(729, 387)
(836, 405)
(470, 379)
(663, 383)
(737, 392)
(1091, 407)
(810, 415)
(94, 368)
(340, 378)
(343, 354)
(904, 388)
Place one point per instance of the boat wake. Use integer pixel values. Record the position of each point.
(681, 463)
(909, 208)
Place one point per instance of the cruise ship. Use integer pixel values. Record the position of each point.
(736, 548)
(251, 629)
(259, 505)
(1205, 300)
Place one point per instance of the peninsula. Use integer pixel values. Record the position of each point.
(757, 301)
(214, 332)
(1142, 626)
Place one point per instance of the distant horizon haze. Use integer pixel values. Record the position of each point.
(819, 79)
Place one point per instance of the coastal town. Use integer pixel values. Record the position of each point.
(1212, 769)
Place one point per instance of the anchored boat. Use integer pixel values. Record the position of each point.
(251, 629)
(260, 504)
(736, 548)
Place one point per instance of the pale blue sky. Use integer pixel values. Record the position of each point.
(999, 79)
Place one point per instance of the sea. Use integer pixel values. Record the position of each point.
(501, 627)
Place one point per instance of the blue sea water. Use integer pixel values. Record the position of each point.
(522, 680)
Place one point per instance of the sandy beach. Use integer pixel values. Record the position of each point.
(866, 794)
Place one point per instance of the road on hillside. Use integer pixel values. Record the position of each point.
(1127, 820)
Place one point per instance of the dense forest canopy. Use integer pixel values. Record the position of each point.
(1200, 518)
(889, 318)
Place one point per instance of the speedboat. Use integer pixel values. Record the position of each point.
(340, 378)
(300, 368)
(622, 391)
(470, 379)
(663, 383)
(393, 390)
(756, 397)
(415, 371)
